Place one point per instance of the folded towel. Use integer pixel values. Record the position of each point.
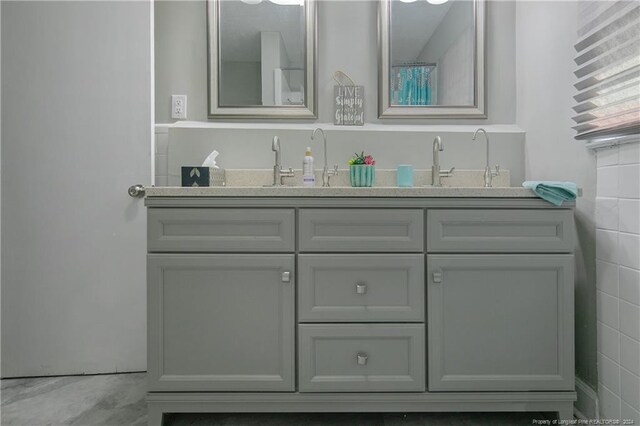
(554, 192)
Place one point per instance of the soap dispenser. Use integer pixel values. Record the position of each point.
(308, 174)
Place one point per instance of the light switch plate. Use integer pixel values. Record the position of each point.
(179, 106)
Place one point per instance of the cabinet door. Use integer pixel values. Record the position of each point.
(500, 322)
(221, 322)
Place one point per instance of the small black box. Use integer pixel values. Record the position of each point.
(195, 176)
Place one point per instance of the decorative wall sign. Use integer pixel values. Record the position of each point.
(349, 105)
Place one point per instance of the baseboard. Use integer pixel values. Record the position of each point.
(586, 407)
(72, 375)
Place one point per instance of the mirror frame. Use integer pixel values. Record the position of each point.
(385, 110)
(306, 111)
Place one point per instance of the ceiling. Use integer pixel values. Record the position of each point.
(412, 25)
(241, 25)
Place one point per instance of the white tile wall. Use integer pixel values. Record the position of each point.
(607, 277)
(629, 215)
(618, 281)
(607, 212)
(607, 181)
(629, 285)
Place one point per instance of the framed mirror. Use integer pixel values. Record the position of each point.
(431, 59)
(262, 58)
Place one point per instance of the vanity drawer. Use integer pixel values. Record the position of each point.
(220, 230)
(361, 358)
(361, 288)
(361, 230)
(491, 231)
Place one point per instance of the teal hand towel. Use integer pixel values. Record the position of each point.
(554, 192)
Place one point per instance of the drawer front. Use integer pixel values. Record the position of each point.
(220, 230)
(361, 230)
(361, 358)
(492, 231)
(361, 288)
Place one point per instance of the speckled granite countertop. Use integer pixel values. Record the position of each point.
(250, 183)
(380, 191)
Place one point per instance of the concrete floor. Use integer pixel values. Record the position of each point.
(118, 400)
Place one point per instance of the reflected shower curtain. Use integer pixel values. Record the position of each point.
(411, 85)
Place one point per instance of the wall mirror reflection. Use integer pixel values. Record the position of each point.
(431, 58)
(261, 58)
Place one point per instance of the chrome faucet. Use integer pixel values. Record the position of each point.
(326, 173)
(488, 173)
(278, 173)
(436, 174)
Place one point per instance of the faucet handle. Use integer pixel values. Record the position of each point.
(447, 173)
(497, 172)
(330, 173)
(286, 174)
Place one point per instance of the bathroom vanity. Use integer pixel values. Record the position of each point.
(359, 299)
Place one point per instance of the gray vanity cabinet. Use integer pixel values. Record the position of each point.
(312, 304)
(221, 322)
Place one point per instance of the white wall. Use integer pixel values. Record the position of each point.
(545, 34)
(347, 41)
(0, 189)
(180, 33)
(618, 281)
(77, 77)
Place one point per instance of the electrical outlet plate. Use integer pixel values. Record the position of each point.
(179, 106)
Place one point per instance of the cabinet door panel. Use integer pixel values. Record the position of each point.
(221, 322)
(500, 322)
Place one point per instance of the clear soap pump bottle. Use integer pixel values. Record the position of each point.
(308, 174)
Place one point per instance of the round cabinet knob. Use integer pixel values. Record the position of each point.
(361, 288)
(362, 358)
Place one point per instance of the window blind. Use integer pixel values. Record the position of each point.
(608, 69)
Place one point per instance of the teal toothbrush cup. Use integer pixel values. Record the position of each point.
(404, 175)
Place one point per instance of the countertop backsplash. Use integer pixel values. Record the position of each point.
(250, 148)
